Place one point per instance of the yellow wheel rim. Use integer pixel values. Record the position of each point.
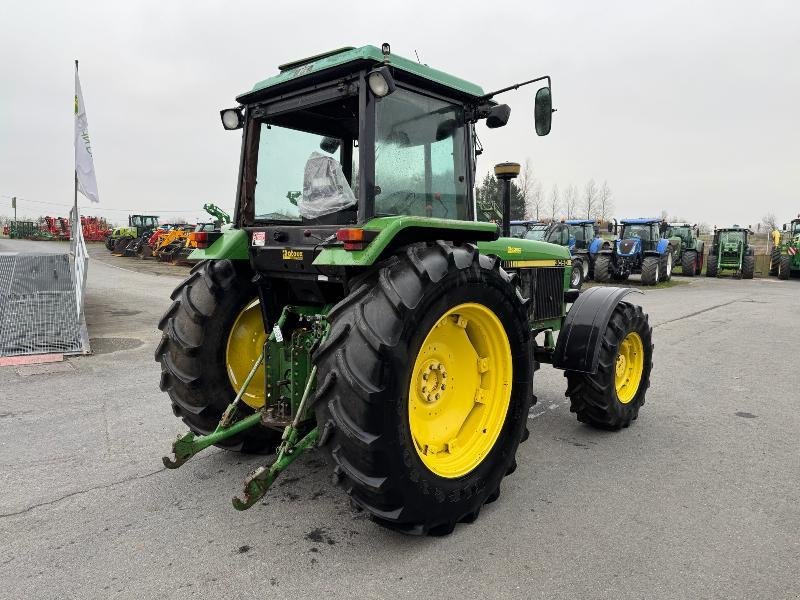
(629, 367)
(245, 343)
(460, 390)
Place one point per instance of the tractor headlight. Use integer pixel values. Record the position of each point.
(381, 82)
(232, 118)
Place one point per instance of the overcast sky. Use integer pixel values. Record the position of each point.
(688, 107)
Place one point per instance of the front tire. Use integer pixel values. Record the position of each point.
(193, 350)
(371, 401)
(576, 278)
(665, 265)
(748, 266)
(785, 267)
(711, 267)
(689, 263)
(650, 270)
(774, 261)
(602, 268)
(612, 397)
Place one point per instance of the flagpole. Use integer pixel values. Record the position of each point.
(75, 163)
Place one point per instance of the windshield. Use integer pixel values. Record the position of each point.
(681, 232)
(518, 231)
(536, 232)
(636, 231)
(420, 157)
(795, 227)
(731, 237)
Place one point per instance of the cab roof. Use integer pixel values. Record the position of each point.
(679, 225)
(527, 222)
(346, 60)
(581, 222)
(640, 221)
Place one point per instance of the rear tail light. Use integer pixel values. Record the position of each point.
(353, 238)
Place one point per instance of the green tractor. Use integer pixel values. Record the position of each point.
(138, 225)
(731, 251)
(687, 247)
(373, 317)
(785, 258)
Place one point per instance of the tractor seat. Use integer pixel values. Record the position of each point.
(325, 188)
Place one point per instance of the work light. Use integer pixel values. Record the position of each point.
(381, 82)
(232, 118)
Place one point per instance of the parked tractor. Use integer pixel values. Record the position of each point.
(687, 247)
(137, 226)
(731, 251)
(785, 258)
(581, 238)
(373, 317)
(640, 248)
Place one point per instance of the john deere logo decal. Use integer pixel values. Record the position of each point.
(292, 255)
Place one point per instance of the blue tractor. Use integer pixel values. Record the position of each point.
(582, 239)
(640, 248)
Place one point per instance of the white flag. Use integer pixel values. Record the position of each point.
(84, 165)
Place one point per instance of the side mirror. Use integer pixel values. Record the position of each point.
(498, 116)
(543, 111)
(784, 226)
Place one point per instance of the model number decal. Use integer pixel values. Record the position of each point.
(514, 250)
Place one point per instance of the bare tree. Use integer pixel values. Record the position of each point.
(769, 222)
(590, 199)
(536, 201)
(605, 203)
(555, 202)
(525, 184)
(570, 201)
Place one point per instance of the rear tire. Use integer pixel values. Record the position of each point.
(650, 270)
(689, 263)
(602, 268)
(711, 267)
(364, 377)
(748, 266)
(785, 267)
(595, 398)
(192, 350)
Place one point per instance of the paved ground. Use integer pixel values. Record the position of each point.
(698, 499)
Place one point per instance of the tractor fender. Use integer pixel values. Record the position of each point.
(578, 345)
(663, 246)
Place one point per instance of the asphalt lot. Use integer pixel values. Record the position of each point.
(700, 498)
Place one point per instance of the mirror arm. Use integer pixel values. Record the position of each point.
(516, 86)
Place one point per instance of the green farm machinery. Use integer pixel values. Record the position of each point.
(731, 251)
(372, 317)
(138, 226)
(687, 247)
(785, 257)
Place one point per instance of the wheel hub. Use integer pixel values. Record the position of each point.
(629, 367)
(460, 389)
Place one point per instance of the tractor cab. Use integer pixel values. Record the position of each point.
(340, 148)
(635, 233)
(529, 230)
